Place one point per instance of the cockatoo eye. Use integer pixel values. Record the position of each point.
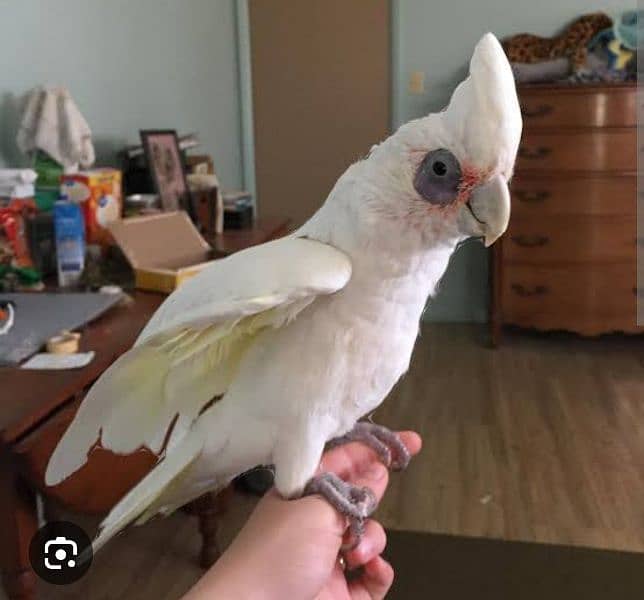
(439, 168)
(438, 177)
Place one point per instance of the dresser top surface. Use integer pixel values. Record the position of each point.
(566, 88)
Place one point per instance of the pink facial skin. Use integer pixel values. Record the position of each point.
(414, 213)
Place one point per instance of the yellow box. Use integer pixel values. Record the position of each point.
(163, 249)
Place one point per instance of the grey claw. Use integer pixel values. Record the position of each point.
(387, 444)
(364, 500)
(355, 503)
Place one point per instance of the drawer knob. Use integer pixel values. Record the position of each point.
(530, 241)
(524, 292)
(540, 110)
(534, 153)
(532, 197)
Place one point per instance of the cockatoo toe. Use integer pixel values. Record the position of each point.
(391, 450)
(354, 502)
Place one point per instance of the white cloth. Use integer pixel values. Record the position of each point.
(45, 360)
(52, 122)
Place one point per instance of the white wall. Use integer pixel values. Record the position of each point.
(130, 65)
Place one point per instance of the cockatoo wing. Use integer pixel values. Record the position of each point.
(188, 352)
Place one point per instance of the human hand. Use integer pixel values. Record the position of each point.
(289, 549)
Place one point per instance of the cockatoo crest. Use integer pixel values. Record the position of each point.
(483, 118)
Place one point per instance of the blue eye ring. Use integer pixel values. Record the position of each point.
(438, 177)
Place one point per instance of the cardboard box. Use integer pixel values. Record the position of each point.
(98, 191)
(163, 249)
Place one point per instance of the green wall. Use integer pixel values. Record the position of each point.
(130, 65)
(437, 37)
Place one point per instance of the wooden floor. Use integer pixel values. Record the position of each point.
(539, 440)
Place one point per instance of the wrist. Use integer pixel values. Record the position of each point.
(232, 577)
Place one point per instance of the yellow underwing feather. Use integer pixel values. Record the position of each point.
(190, 350)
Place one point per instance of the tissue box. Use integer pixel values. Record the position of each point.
(98, 191)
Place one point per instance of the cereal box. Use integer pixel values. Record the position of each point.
(98, 191)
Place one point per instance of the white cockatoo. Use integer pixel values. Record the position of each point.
(297, 339)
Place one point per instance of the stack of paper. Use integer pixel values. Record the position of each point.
(17, 183)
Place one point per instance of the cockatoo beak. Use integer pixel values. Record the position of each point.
(487, 211)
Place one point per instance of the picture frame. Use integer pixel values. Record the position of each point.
(167, 169)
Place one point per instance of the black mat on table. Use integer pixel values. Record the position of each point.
(440, 567)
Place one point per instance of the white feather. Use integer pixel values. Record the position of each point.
(137, 500)
(249, 282)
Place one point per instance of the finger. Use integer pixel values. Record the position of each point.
(375, 582)
(348, 460)
(376, 479)
(372, 544)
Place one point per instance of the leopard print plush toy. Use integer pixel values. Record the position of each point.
(571, 44)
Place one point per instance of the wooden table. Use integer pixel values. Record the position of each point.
(37, 406)
(263, 229)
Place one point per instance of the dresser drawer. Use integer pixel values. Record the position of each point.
(579, 150)
(578, 107)
(534, 196)
(589, 299)
(566, 238)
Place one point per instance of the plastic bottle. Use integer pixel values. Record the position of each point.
(70, 241)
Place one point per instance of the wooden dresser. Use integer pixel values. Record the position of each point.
(568, 259)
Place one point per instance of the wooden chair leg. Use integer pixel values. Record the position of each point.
(18, 523)
(208, 509)
(19, 585)
(208, 516)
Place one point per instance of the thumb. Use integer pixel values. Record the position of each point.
(375, 477)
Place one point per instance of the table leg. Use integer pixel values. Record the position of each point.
(18, 523)
(208, 509)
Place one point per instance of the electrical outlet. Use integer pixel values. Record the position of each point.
(416, 82)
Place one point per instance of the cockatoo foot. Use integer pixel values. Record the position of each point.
(386, 443)
(355, 503)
